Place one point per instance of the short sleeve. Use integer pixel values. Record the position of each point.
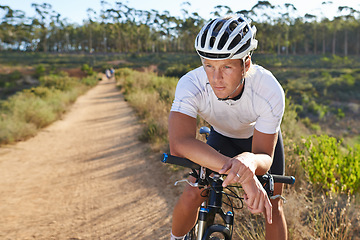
(270, 107)
(186, 97)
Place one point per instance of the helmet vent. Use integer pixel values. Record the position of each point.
(223, 40)
(244, 47)
(203, 38)
(217, 28)
(234, 42)
(232, 25)
(240, 19)
(212, 41)
(214, 55)
(244, 31)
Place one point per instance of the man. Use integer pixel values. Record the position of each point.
(244, 104)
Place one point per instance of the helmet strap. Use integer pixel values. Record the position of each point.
(228, 97)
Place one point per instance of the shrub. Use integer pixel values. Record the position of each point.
(61, 81)
(87, 69)
(89, 80)
(177, 70)
(40, 71)
(330, 167)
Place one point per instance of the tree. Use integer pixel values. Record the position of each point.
(312, 35)
(13, 28)
(348, 21)
(45, 21)
(262, 13)
(290, 8)
(221, 10)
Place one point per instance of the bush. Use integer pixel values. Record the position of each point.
(87, 69)
(61, 81)
(89, 81)
(40, 71)
(177, 70)
(329, 166)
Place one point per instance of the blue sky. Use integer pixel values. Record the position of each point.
(75, 10)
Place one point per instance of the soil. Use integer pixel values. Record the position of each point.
(86, 176)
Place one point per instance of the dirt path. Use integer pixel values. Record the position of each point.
(86, 177)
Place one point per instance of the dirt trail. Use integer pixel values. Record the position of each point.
(86, 177)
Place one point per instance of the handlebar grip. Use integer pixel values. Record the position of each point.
(179, 161)
(283, 179)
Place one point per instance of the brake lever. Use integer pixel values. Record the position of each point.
(201, 178)
(188, 182)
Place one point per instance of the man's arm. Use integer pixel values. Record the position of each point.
(183, 143)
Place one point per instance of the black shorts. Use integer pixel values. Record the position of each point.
(233, 146)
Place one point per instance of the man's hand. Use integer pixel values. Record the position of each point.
(257, 200)
(238, 170)
(243, 172)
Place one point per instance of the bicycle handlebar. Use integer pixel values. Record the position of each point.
(184, 162)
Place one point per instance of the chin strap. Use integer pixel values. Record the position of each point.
(228, 97)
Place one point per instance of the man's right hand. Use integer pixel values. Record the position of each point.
(256, 199)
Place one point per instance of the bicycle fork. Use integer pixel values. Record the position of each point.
(202, 220)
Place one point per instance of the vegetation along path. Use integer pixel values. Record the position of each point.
(86, 177)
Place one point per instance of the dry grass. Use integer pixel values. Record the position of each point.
(24, 113)
(151, 96)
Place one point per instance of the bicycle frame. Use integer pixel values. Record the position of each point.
(208, 211)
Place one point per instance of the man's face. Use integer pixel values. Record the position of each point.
(224, 76)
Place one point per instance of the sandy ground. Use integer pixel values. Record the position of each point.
(86, 177)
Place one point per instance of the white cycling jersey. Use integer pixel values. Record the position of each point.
(261, 105)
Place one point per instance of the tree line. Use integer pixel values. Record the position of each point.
(119, 28)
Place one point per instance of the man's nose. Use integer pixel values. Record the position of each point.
(217, 75)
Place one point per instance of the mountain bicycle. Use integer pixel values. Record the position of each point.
(207, 226)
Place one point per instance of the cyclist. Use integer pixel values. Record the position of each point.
(244, 105)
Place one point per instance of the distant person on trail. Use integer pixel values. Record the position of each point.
(244, 104)
(108, 73)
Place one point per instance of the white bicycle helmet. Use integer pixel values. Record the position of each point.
(226, 38)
